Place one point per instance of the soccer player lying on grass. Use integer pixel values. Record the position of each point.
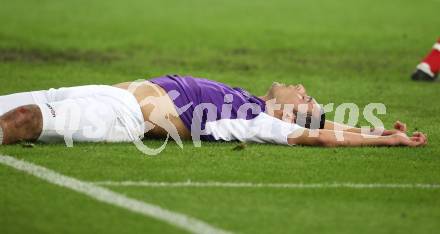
(183, 108)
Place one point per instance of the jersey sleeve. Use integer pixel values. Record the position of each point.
(261, 129)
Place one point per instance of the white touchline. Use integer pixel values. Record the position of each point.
(105, 195)
(268, 185)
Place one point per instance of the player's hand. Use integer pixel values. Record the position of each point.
(399, 126)
(401, 139)
(419, 136)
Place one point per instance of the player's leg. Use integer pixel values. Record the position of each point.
(12, 101)
(71, 120)
(429, 68)
(114, 116)
(21, 118)
(24, 123)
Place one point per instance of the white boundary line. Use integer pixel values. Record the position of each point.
(105, 195)
(267, 185)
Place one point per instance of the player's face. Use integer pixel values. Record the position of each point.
(301, 93)
(297, 96)
(299, 88)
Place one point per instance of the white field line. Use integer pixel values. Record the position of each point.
(267, 185)
(105, 195)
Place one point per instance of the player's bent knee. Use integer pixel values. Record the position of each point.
(22, 123)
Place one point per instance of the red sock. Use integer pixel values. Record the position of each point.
(431, 63)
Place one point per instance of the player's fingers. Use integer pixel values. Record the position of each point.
(416, 141)
(400, 126)
(403, 125)
(421, 135)
(425, 138)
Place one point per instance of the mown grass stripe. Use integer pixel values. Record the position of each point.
(105, 195)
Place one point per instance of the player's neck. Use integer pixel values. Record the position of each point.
(264, 98)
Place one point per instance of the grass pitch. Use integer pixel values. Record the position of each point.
(344, 51)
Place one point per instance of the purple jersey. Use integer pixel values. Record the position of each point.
(215, 111)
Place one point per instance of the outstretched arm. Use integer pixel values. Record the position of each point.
(331, 138)
(398, 127)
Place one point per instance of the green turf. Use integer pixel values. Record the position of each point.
(342, 51)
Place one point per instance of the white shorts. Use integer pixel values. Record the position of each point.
(92, 113)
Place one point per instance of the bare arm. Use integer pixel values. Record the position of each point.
(330, 125)
(398, 127)
(328, 138)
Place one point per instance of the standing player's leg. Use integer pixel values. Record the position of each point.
(429, 68)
